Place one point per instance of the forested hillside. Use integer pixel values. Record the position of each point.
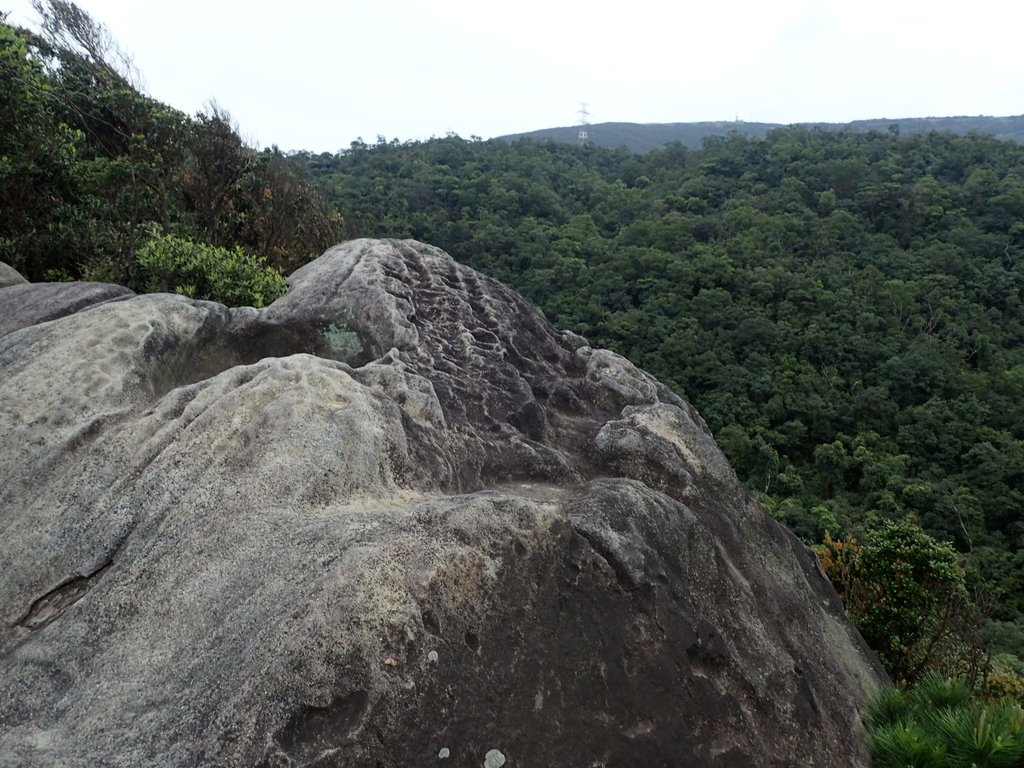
(641, 137)
(844, 309)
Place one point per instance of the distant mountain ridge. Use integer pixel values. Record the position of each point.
(642, 137)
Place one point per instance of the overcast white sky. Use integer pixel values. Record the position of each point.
(314, 75)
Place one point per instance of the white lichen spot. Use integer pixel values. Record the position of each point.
(538, 701)
(444, 753)
(494, 759)
(432, 657)
(491, 566)
(343, 342)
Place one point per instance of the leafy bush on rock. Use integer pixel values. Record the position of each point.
(230, 276)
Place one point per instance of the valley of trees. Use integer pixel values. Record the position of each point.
(844, 309)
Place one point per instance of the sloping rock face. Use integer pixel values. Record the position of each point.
(9, 275)
(393, 519)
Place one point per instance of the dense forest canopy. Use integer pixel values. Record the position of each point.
(845, 309)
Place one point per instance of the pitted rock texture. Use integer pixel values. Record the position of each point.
(393, 516)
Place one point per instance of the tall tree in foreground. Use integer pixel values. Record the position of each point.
(90, 165)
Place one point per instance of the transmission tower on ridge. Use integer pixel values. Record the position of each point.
(582, 135)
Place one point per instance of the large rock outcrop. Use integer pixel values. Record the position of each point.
(393, 519)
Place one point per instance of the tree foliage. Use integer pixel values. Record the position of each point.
(89, 165)
(907, 595)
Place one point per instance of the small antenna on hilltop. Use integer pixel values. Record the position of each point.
(582, 135)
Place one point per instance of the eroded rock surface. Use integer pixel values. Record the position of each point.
(9, 275)
(393, 519)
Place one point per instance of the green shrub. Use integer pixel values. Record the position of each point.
(232, 277)
(890, 706)
(941, 723)
(905, 592)
(973, 738)
(1005, 678)
(934, 691)
(1008, 716)
(906, 745)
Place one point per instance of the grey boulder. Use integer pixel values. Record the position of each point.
(393, 519)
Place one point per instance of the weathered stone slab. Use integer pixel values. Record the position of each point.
(393, 519)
